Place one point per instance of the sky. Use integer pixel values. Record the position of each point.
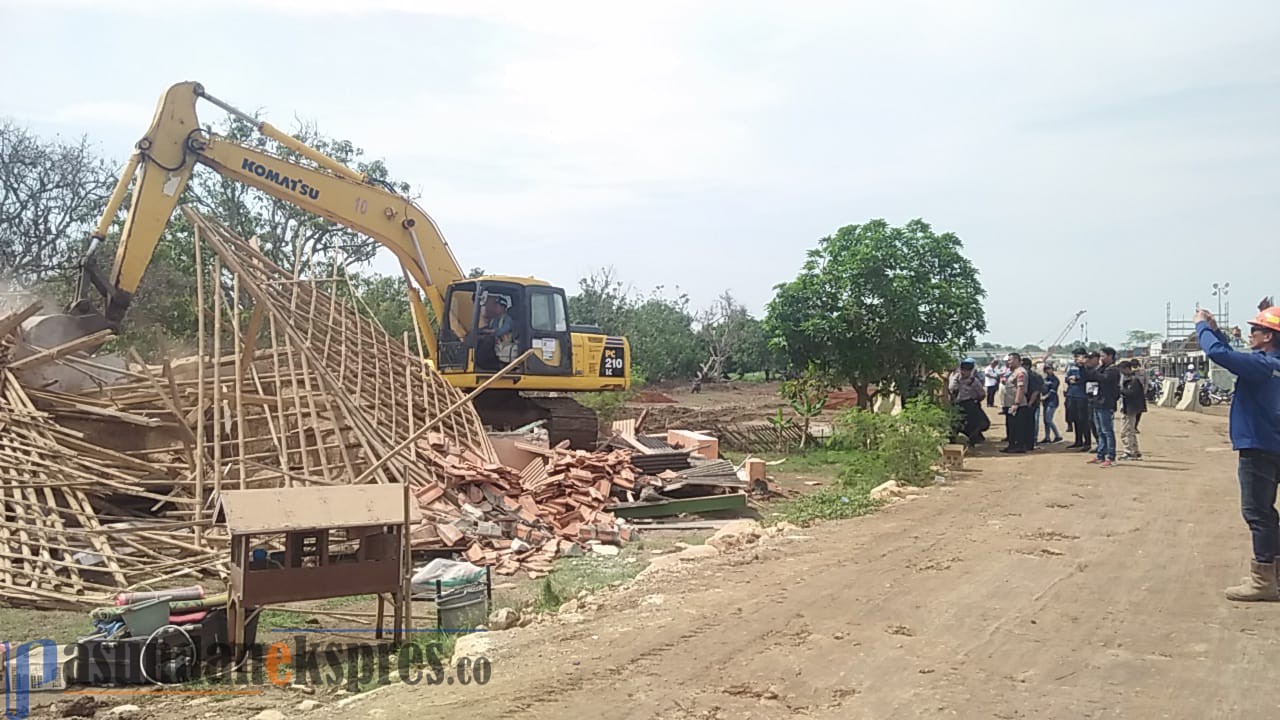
(1111, 157)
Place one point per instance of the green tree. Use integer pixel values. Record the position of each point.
(1141, 338)
(749, 350)
(601, 300)
(807, 396)
(385, 298)
(877, 304)
(663, 343)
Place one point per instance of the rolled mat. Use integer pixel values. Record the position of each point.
(194, 592)
(176, 607)
(204, 603)
(188, 618)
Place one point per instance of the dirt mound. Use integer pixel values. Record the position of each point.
(653, 397)
(842, 400)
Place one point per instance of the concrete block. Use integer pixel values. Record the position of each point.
(1190, 397)
(756, 470)
(701, 444)
(887, 404)
(1167, 389)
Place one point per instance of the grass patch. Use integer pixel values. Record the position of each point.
(345, 601)
(430, 649)
(848, 500)
(866, 450)
(549, 598)
(822, 459)
(270, 619)
(570, 576)
(18, 625)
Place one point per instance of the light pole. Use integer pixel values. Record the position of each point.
(1220, 291)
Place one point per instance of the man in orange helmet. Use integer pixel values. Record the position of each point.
(1255, 435)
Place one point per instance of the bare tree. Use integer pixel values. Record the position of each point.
(718, 328)
(51, 194)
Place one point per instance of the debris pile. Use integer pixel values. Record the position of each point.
(79, 518)
(684, 474)
(523, 519)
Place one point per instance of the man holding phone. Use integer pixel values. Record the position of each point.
(1255, 435)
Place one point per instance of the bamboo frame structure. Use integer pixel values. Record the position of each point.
(113, 488)
(109, 489)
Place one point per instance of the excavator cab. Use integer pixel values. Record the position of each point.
(491, 321)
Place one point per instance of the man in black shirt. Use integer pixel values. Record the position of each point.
(1102, 379)
(1035, 393)
(1133, 394)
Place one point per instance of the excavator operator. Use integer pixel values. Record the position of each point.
(495, 341)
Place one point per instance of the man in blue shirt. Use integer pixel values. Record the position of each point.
(1255, 435)
(1078, 416)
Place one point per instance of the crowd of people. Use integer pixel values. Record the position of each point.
(1096, 386)
(1093, 389)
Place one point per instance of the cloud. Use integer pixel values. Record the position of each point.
(583, 114)
(691, 130)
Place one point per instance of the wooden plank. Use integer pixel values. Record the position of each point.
(58, 351)
(10, 322)
(709, 503)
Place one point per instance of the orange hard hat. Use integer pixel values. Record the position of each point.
(1269, 319)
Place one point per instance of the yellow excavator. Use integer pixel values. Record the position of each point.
(452, 322)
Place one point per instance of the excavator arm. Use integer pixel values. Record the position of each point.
(165, 159)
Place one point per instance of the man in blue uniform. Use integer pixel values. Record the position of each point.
(1078, 415)
(1255, 435)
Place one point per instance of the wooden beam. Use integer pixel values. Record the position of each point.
(66, 348)
(709, 503)
(10, 322)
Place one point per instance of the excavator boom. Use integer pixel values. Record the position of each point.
(166, 158)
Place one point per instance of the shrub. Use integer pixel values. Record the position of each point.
(893, 447)
(873, 449)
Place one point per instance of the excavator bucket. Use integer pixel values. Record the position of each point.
(46, 331)
(43, 332)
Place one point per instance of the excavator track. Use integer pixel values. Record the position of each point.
(565, 418)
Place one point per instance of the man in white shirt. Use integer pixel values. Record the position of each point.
(992, 378)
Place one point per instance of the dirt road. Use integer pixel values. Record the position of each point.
(1034, 587)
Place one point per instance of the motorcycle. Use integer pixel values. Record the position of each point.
(1154, 388)
(1211, 394)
